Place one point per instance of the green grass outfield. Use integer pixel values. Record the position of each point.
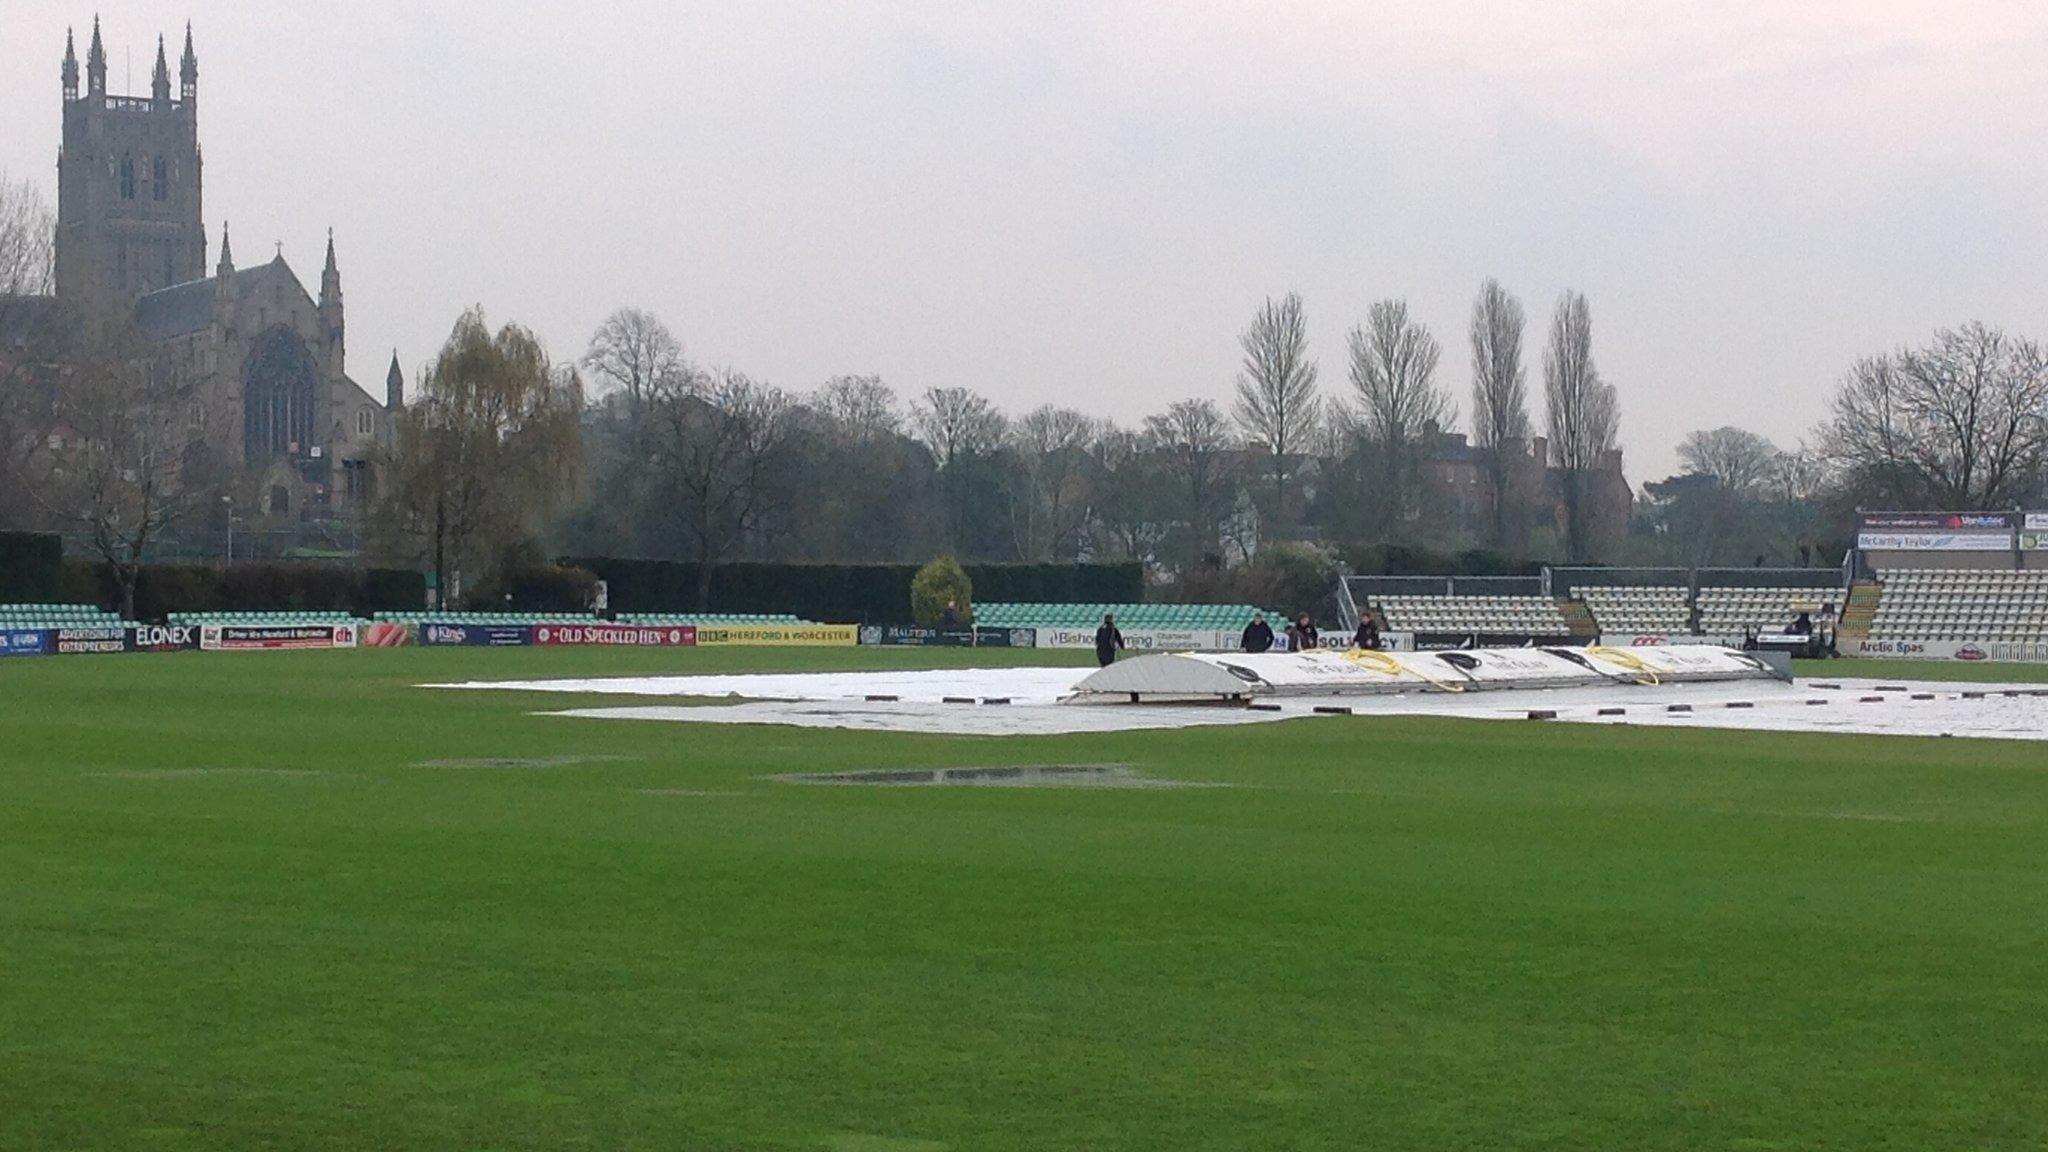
(237, 912)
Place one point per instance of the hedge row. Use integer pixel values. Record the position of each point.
(846, 593)
(166, 588)
(31, 568)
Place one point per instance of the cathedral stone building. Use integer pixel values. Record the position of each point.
(264, 359)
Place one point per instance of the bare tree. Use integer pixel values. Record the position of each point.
(717, 440)
(861, 407)
(1800, 476)
(633, 353)
(28, 240)
(1193, 442)
(1047, 502)
(1740, 461)
(1799, 482)
(1738, 465)
(955, 422)
(1961, 423)
(962, 430)
(1123, 520)
(1583, 415)
(489, 450)
(121, 453)
(1276, 392)
(1393, 371)
(1500, 398)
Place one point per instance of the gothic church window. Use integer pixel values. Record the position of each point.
(364, 424)
(278, 382)
(127, 177)
(162, 189)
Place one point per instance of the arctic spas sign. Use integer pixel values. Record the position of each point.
(275, 637)
(1967, 651)
(779, 635)
(1145, 639)
(615, 635)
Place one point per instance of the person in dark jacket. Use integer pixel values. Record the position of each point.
(1108, 641)
(949, 620)
(1368, 635)
(1302, 635)
(1258, 635)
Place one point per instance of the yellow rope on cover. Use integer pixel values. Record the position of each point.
(1645, 675)
(1389, 664)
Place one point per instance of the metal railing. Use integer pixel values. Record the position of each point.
(1369, 588)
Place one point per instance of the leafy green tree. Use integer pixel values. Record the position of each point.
(937, 585)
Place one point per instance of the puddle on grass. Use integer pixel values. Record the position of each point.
(522, 762)
(1006, 776)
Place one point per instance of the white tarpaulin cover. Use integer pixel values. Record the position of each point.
(932, 686)
(841, 700)
(2006, 712)
(1196, 675)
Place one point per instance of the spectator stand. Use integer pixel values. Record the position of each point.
(1920, 605)
(1505, 609)
(40, 617)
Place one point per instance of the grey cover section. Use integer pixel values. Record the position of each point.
(1167, 676)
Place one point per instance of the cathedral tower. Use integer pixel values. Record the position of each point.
(128, 203)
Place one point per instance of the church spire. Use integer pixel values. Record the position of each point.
(330, 277)
(331, 311)
(188, 68)
(96, 63)
(160, 80)
(227, 255)
(394, 386)
(70, 66)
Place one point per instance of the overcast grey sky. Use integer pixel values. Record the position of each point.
(1083, 202)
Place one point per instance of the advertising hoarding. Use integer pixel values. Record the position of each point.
(275, 637)
(1937, 521)
(24, 642)
(1934, 541)
(1448, 641)
(1146, 639)
(780, 635)
(1936, 531)
(1666, 640)
(895, 635)
(1968, 651)
(615, 635)
(88, 641)
(476, 635)
(163, 638)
